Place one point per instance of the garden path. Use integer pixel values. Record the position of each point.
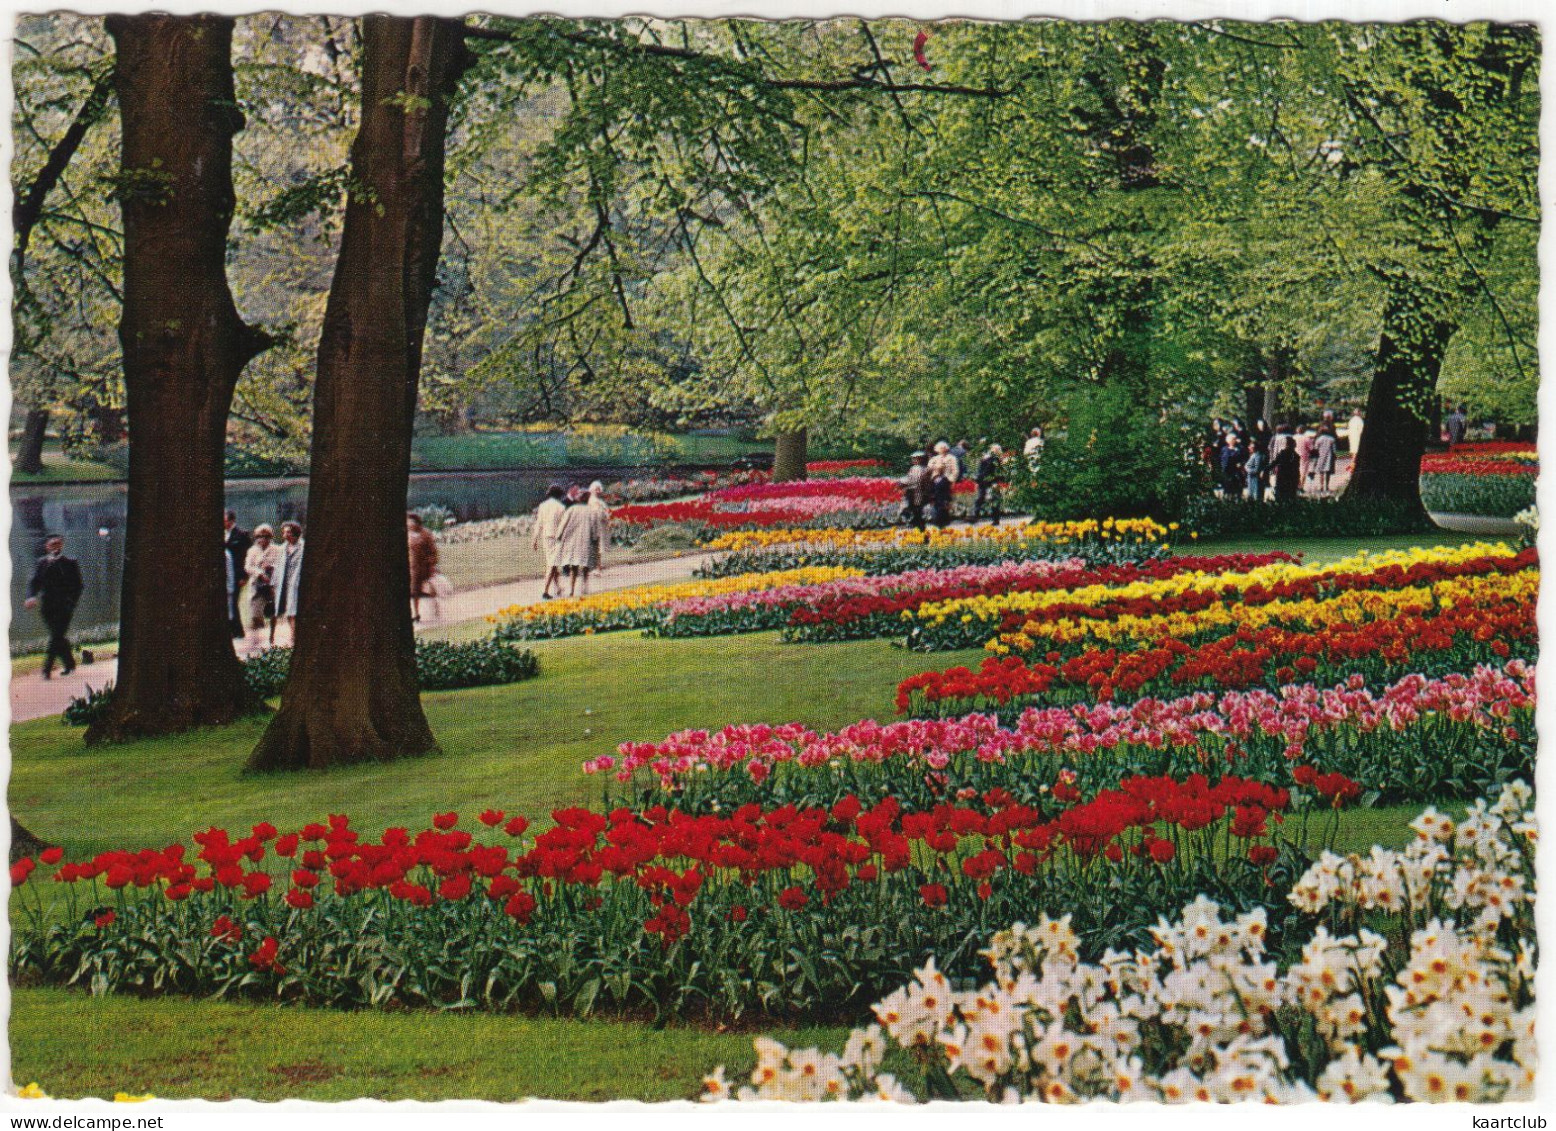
(33, 697)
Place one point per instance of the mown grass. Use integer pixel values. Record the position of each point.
(74, 1046)
(60, 468)
(1323, 551)
(517, 747)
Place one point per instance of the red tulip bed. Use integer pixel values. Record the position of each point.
(851, 502)
(784, 910)
(1416, 739)
(1494, 478)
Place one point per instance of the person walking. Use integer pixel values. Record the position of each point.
(287, 579)
(1354, 432)
(600, 526)
(940, 497)
(915, 489)
(575, 541)
(1254, 470)
(56, 586)
(235, 544)
(1232, 481)
(1032, 450)
(1287, 466)
(1458, 425)
(1323, 456)
(260, 567)
(1305, 440)
(943, 462)
(959, 452)
(548, 525)
(990, 470)
(422, 549)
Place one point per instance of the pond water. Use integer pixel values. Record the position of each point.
(91, 517)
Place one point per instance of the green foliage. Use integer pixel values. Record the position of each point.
(440, 666)
(1212, 517)
(1119, 456)
(434, 516)
(1499, 496)
(670, 536)
(84, 710)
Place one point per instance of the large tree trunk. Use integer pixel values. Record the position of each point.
(1399, 403)
(789, 455)
(29, 454)
(184, 347)
(352, 694)
(24, 842)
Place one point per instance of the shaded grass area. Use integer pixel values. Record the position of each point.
(1323, 551)
(60, 468)
(72, 1045)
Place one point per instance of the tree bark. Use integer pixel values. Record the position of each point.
(29, 454)
(184, 348)
(24, 842)
(1399, 402)
(352, 694)
(789, 455)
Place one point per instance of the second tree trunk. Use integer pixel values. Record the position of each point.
(352, 695)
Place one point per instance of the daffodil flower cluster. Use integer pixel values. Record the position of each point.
(1478, 871)
(1207, 1016)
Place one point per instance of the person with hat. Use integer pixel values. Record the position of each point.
(56, 585)
(943, 463)
(599, 526)
(915, 489)
(548, 527)
(260, 567)
(990, 470)
(575, 541)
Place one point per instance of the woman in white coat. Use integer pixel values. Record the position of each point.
(260, 568)
(548, 528)
(287, 578)
(599, 526)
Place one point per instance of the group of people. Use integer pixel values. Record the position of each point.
(263, 578)
(1252, 462)
(931, 480)
(572, 530)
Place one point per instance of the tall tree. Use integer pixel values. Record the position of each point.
(352, 693)
(184, 347)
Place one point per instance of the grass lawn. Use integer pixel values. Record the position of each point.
(60, 468)
(517, 747)
(1323, 551)
(73, 1046)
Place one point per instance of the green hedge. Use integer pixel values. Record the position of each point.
(1497, 496)
(1212, 517)
(441, 666)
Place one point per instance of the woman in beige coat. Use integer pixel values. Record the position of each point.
(575, 542)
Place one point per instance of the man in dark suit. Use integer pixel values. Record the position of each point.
(56, 584)
(236, 543)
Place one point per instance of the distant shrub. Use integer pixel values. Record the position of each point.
(439, 665)
(1212, 517)
(671, 536)
(434, 516)
(1496, 496)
